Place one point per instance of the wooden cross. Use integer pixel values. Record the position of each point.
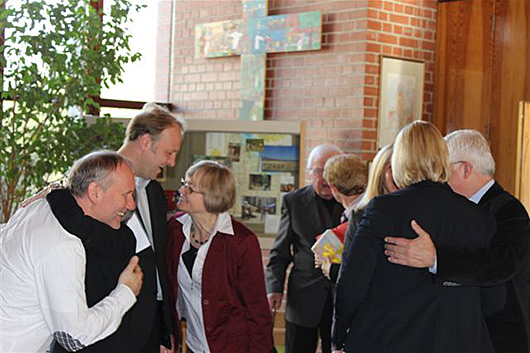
(253, 37)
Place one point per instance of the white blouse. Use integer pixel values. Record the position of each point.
(189, 302)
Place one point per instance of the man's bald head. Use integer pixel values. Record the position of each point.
(315, 164)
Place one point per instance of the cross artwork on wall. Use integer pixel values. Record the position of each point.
(253, 37)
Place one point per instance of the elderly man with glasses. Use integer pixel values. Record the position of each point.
(306, 213)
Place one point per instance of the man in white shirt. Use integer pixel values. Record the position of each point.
(42, 266)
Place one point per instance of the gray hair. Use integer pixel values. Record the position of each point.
(321, 150)
(94, 167)
(470, 146)
(152, 120)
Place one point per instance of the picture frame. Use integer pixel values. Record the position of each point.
(400, 96)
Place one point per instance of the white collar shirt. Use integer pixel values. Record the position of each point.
(141, 226)
(189, 303)
(476, 197)
(349, 210)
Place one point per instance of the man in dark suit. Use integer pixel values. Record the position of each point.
(152, 142)
(506, 261)
(306, 213)
(382, 307)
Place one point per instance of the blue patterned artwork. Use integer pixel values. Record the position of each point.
(253, 37)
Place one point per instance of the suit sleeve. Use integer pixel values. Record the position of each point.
(60, 280)
(251, 288)
(97, 237)
(356, 274)
(509, 251)
(280, 255)
(353, 223)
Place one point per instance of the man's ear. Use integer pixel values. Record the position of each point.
(468, 170)
(335, 191)
(145, 141)
(94, 192)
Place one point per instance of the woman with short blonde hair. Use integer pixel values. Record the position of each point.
(215, 268)
(217, 184)
(420, 153)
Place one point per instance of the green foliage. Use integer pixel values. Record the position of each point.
(55, 57)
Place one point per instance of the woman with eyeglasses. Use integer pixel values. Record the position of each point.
(215, 268)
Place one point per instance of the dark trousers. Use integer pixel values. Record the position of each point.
(155, 337)
(300, 339)
(507, 337)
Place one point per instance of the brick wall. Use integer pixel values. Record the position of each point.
(334, 90)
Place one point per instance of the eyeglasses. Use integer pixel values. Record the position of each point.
(318, 172)
(457, 162)
(188, 187)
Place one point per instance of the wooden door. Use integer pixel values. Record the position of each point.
(482, 73)
(510, 84)
(522, 176)
(464, 47)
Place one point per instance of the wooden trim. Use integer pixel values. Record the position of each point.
(117, 103)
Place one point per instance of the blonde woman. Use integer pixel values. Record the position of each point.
(383, 307)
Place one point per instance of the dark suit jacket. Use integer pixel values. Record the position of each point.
(157, 209)
(505, 260)
(383, 307)
(307, 289)
(353, 223)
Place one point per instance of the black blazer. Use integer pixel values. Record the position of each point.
(307, 289)
(506, 261)
(383, 307)
(158, 210)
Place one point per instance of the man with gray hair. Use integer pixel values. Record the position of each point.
(507, 259)
(42, 265)
(306, 213)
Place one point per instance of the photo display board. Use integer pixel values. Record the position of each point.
(263, 155)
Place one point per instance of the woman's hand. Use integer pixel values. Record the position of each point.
(326, 266)
(318, 261)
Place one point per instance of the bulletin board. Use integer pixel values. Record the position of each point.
(263, 155)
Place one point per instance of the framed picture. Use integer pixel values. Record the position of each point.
(400, 96)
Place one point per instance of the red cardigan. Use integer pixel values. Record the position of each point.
(235, 309)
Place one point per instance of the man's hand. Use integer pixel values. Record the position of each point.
(338, 351)
(275, 300)
(132, 276)
(41, 194)
(419, 252)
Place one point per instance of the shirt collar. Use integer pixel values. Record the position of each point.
(222, 225)
(141, 183)
(348, 211)
(480, 193)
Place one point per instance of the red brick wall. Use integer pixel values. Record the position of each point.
(334, 90)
